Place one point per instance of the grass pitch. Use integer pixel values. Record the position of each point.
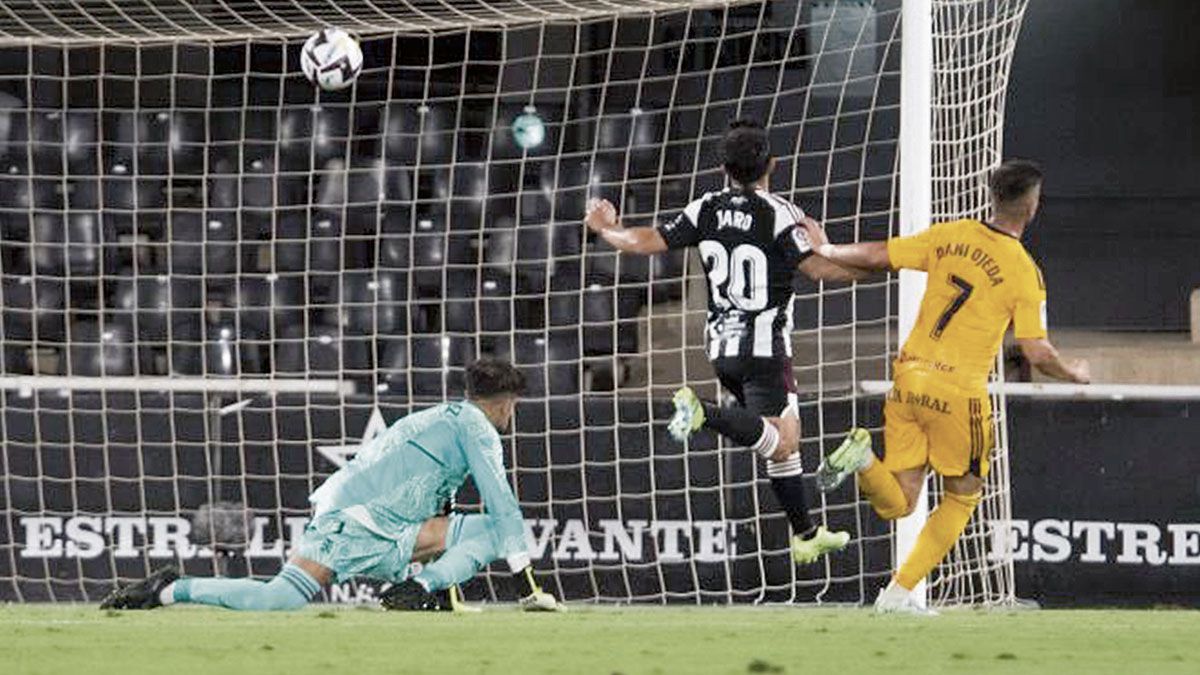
(81, 640)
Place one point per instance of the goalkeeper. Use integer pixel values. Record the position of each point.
(380, 512)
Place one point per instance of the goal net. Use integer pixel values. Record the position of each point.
(217, 281)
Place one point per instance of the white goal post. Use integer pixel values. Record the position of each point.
(217, 281)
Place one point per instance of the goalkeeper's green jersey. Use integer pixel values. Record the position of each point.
(407, 473)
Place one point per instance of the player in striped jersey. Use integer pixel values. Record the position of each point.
(751, 247)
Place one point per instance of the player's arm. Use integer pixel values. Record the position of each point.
(602, 219)
(504, 514)
(1043, 356)
(861, 256)
(1032, 333)
(819, 268)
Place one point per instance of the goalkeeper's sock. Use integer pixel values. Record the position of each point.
(787, 480)
(942, 529)
(469, 546)
(883, 491)
(742, 427)
(292, 588)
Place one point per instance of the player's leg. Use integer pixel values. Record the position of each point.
(960, 438)
(459, 547)
(292, 588)
(297, 583)
(747, 426)
(893, 484)
(770, 389)
(306, 572)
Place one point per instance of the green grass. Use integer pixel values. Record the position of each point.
(82, 640)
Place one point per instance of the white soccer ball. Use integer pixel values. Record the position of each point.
(528, 129)
(331, 59)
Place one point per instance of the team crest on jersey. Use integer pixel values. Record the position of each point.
(801, 239)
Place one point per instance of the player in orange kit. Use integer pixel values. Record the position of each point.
(938, 414)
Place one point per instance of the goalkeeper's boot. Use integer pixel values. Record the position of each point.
(143, 594)
(896, 599)
(852, 456)
(819, 543)
(689, 414)
(410, 596)
(458, 603)
(541, 601)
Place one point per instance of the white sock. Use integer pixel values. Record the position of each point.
(765, 445)
(167, 595)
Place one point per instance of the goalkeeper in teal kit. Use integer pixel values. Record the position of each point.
(381, 511)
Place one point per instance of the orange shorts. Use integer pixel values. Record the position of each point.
(931, 422)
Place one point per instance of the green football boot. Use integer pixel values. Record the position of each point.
(852, 456)
(689, 414)
(821, 542)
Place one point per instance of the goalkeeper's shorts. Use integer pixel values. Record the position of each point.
(930, 421)
(344, 545)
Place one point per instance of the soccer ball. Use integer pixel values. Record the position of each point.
(528, 129)
(331, 59)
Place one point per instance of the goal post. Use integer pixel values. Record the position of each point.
(916, 207)
(217, 282)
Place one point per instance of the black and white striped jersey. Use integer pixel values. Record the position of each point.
(750, 245)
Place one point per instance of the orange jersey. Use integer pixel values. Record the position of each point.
(980, 280)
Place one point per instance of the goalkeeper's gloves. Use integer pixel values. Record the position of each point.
(533, 598)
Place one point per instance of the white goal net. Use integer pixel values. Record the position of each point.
(217, 281)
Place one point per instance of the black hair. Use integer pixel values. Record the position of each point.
(746, 151)
(489, 377)
(1013, 179)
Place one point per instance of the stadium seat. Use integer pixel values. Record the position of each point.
(258, 182)
(21, 193)
(325, 242)
(371, 303)
(395, 238)
(187, 142)
(330, 133)
(533, 254)
(317, 353)
(155, 302)
(599, 312)
(220, 242)
(96, 351)
(437, 363)
(563, 355)
(500, 247)
(82, 194)
(155, 132)
(263, 304)
(290, 245)
(72, 246)
(366, 182)
(15, 360)
(13, 132)
(223, 181)
(30, 302)
(667, 278)
(392, 370)
(222, 353)
(567, 239)
(124, 191)
(529, 356)
(478, 301)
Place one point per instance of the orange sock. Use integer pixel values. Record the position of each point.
(883, 491)
(943, 528)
